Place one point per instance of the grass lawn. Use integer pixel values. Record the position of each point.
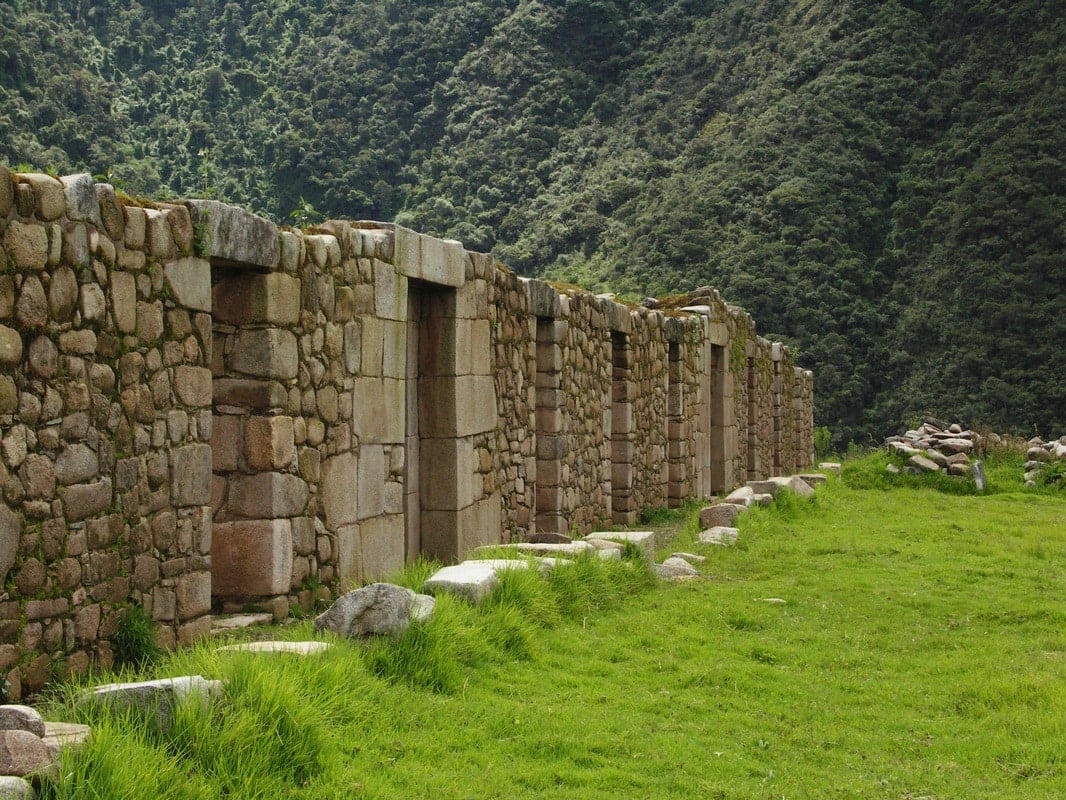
(872, 643)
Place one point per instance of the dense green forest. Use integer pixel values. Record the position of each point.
(879, 183)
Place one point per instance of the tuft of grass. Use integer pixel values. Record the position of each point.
(134, 642)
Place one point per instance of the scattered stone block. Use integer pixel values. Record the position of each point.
(719, 535)
(572, 549)
(744, 496)
(155, 700)
(764, 500)
(377, 609)
(676, 569)
(720, 514)
(294, 648)
(645, 540)
(471, 580)
(831, 467)
(812, 479)
(58, 735)
(548, 537)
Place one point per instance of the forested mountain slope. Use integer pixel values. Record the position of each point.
(880, 184)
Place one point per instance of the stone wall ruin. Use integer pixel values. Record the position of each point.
(199, 410)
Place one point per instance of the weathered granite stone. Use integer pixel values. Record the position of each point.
(156, 700)
(744, 496)
(76, 463)
(111, 215)
(191, 482)
(10, 346)
(922, 464)
(43, 357)
(228, 235)
(190, 281)
(549, 537)
(471, 580)
(265, 353)
(22, 753)
(80, 192)
(272, 298)
(49, 197)
(720, 514)
(676, 569)
(58, 735)
(268, 494)
(10, 532)
(719, 535)
(32, 307)
(251, 558)
(84, 500)
(193, 385)
(14, 788)
(26, 245)
(380, 608)
(21, 718)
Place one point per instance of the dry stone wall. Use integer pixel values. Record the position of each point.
(200, 411)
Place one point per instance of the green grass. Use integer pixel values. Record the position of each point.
(920, 652)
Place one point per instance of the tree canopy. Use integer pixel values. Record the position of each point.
(879, 183)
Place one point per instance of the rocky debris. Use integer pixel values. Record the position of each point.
(719, 535)
(155, 700)
(377, 609)
(676, 569)
(1040, 456)
(295, 648)
(936, 446)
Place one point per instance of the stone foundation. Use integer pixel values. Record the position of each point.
(198, 408)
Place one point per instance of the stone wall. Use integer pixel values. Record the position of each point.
(199, 410)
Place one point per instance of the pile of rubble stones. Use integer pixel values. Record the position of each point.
(1039, 454)
(937, 447)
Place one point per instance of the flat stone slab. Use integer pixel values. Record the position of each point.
(571, 549)
(544, 563)
(744, 496)
(645, 540)
(719, 535)
(471, 580)
(812, 478)
(239, 621)
(157, 699)
(58, 735)
(293, 648)
(830, 466)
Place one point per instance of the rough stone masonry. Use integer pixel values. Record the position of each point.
(198, 408)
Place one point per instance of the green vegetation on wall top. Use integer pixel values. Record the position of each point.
(879, 184)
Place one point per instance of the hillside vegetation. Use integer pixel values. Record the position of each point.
(880, 184)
